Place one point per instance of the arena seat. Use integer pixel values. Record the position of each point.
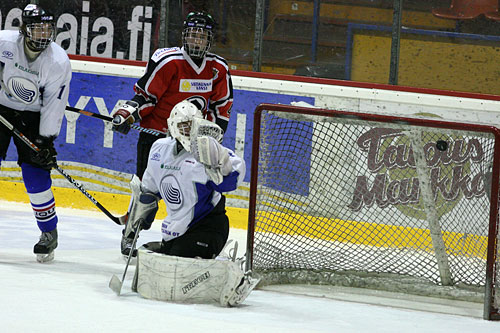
(467, 9)
(495, 15)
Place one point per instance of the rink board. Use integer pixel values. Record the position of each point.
(114, 203)
(103, 160)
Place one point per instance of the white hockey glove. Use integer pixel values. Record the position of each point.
(213, 155)
(126, 115)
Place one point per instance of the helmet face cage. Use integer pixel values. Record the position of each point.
(38, 28)
(198, 34)
(197, 41)
(39, 35)
(184, 128)
(180, 120)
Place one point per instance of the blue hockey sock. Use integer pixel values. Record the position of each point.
(38, 185)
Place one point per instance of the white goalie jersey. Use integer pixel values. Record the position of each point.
(182, 181)
(38, 86)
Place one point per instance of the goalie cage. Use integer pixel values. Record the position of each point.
(374, 201)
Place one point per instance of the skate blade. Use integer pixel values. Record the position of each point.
(45, 257)
(115, 284)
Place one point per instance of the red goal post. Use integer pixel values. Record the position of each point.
(405, 204)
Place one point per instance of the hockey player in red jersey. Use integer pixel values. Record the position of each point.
(173, 75)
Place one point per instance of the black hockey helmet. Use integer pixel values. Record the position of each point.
(198, 34)
(38, 27)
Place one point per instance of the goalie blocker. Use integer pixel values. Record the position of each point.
(190, 280)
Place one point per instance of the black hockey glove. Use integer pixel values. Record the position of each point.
(125, 116)
(45, 158)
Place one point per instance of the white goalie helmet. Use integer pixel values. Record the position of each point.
(180, 121)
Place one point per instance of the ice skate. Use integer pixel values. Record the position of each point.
(244, 288)
(126, 244)
(45, 247)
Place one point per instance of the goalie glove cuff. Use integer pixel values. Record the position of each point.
(216, 174)
(225, 164)
(210, 152)
(213, 156)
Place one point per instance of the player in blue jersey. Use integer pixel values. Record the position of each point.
(35, 74)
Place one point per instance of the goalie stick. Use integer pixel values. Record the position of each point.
(58, 168)
(115, 283)
(107, 118)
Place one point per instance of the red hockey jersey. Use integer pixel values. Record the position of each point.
(171, 76)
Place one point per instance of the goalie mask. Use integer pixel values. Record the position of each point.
(38, 28)
(198, 34)
(180, 121)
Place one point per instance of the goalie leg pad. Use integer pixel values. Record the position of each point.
(143, 209)
(188, 280)
(135, 187)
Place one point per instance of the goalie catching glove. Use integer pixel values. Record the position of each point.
(213, 156)
(126, 116)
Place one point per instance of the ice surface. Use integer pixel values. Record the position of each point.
(71, 293)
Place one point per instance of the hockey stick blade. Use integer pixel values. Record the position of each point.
(108, 118)
(115, 284)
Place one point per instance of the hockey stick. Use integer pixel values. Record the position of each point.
(115, 284)
(61, 171)
(107, 118)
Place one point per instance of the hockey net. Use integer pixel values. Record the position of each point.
(375, 201)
